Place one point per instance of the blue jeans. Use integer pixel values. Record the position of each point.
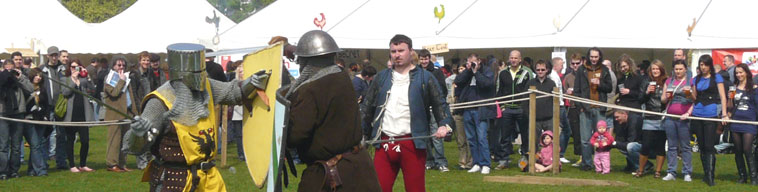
(565, 130)
(237, 138)
(476, 134)
(633, 154)
(678, 135)
(435, 151)
(33, 134)
(588, 121)
(10, 146)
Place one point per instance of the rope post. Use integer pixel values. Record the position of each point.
(224, 125)
(556, 132)
(532, 128)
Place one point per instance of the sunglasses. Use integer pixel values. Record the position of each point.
(541, 69)
(577, 63)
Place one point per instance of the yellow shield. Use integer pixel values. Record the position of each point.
(258, 127)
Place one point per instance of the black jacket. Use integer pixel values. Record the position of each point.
(438, 75)
(582, 86)
(484, 89)
(628, 132)
(652, 101)
(632, 82)
(544, 105)
(509, 87)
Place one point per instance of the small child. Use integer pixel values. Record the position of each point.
(545, 157)
(602, 140)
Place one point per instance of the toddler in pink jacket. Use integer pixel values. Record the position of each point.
(602, 140)
(545, 158)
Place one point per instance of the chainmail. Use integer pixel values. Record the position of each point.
(311, 73)
(189, 106)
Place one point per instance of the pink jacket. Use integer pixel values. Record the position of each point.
(598, 138)
(546, 153)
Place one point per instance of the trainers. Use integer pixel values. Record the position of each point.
(564, 160)
(475, 169)
(443, 168)
(486, 170)
(578, 163)
(428, 167)
(501, 166)
(687, 178)
(669, 177)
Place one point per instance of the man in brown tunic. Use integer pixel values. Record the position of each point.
(324, 121)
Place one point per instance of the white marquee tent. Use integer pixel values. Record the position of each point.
(38, 24)
(471, 24)
(149, 25)
(287, 18)
(152, 25)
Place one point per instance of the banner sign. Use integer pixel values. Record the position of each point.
(746, 56)
(437, 48)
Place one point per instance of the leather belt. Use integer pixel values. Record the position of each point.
(330, 168)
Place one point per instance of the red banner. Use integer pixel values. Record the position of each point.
(225, 60)
(747, 56)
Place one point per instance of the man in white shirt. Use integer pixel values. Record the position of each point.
(397, 106)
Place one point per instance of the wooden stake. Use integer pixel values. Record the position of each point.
(224, 125)
(556, 132)
(532, 129)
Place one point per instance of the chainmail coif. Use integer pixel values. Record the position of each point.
(189, 105)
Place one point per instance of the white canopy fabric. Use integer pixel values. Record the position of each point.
(147, 25)
(41, 23)
(287, 18)
(632, 24)
(727, 24)
(471, 24)
(152, 25)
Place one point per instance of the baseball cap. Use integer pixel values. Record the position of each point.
(52, 50)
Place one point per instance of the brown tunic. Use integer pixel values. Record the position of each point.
(324, 121)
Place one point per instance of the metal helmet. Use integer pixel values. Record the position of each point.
(315, 43)
(186, 62)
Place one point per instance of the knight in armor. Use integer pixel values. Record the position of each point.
(178, 124)
(324, 122)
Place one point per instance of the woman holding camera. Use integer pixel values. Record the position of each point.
(78, 109)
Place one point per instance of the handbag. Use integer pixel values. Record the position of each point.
(60, 106)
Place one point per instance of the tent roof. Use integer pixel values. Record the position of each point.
(727, 24)
(470, 24)
(152, 25)
(287, 18)
(41, 27)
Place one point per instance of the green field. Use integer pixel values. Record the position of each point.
(455, 180)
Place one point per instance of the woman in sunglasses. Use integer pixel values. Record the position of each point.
(78, 109)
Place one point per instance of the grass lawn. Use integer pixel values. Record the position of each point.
(238, 179)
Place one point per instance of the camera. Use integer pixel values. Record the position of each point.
(14, 72)
(473, 65)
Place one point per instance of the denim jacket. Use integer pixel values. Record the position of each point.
(424, 93)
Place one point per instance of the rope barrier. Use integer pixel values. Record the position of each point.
(490, 99)
(588, 101)
(69, 124)
(487, 104)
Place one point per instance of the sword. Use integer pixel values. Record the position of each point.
(88, 96)
(399, 139)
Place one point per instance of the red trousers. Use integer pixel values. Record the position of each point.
(392, 156)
